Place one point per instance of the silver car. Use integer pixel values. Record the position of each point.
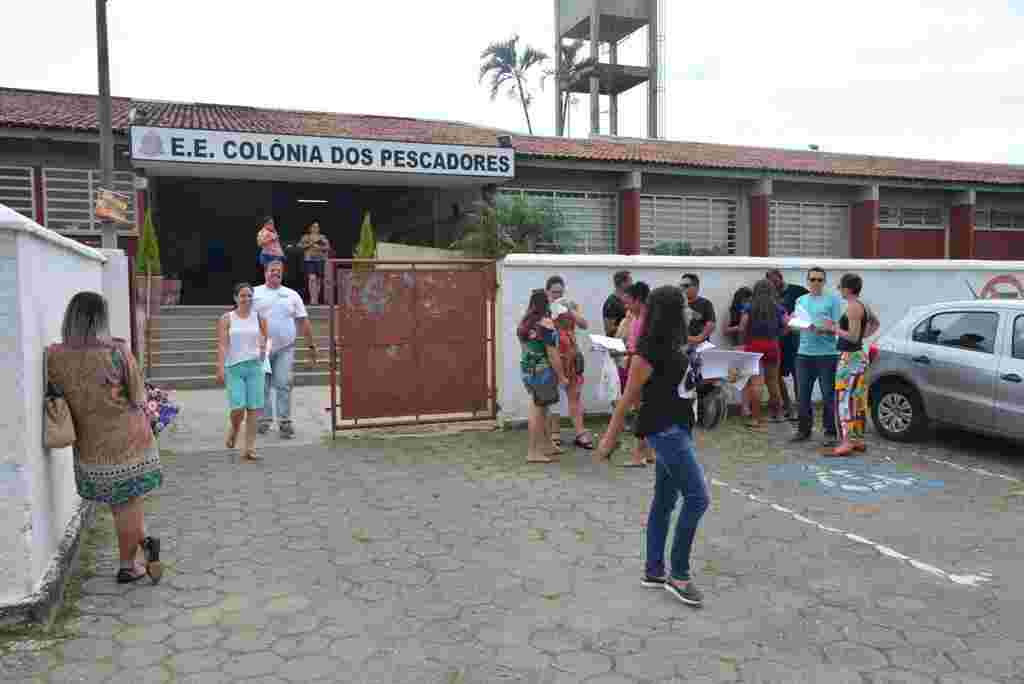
(955, 363)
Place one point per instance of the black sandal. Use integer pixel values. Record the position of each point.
(126, 576)
(151, 549)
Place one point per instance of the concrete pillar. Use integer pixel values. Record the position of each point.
(961, 225)
(39, 193)
(760, 196)
(864, 224)
(613, 99)
(595, 82)
(629, 203)
(559, 117)
(652, 62)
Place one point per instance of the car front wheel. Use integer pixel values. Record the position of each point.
(897, 412)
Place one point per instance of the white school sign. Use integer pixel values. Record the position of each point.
(194, 146)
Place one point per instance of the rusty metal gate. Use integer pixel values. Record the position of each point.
(412, 342)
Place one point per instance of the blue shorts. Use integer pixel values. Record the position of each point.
(244, 383)
(314, 267)
(270, 258)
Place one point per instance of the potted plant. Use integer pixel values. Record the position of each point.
(148, 275)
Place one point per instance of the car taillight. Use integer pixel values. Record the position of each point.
(872, 353)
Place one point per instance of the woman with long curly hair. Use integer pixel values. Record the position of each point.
(763, 323)
(541, 369)
(666, 421)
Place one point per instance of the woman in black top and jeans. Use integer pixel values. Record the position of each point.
(666, 420)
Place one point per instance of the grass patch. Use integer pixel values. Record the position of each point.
(95, 540)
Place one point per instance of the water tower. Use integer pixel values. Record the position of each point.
(610, 21)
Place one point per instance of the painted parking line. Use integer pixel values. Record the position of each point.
(972, 469)
(970, 580)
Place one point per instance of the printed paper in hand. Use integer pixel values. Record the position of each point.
(602, 343)
(799, 323)
(266, 360)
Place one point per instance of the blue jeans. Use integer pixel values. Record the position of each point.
(820, 369)
(279, 384)
(676, 473)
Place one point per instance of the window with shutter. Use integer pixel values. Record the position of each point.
(70, 198)
(590, 219)
(16, 189)
(705, 223)
(1005, 220)
(925, 218)
(806, 229)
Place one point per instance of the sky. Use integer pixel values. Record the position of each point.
(935, 80)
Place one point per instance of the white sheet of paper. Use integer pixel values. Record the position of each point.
(718, 362)
(266, 360)
(799, 323)
(608, 343)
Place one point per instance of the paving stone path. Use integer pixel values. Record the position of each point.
(446, 559)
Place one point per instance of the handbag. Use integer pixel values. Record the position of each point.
(58, 427)
(545, 393)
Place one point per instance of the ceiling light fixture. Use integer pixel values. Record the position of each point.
(309, 201)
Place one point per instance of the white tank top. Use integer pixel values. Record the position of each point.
(243, 339)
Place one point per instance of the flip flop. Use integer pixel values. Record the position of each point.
(631, 464)
(540, 460)
(588, 445)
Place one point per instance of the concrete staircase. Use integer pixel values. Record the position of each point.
(184, 348)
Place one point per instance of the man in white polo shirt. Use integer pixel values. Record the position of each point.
(284, 312)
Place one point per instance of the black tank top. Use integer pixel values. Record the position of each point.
(845, 345)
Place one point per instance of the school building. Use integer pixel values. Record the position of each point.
(209, 172)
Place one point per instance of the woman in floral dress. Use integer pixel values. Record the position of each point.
(116, 459)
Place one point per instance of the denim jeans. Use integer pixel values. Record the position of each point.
(676, 473)
(820, 369)
(279, 385)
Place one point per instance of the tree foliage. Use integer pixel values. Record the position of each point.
(506, 66)
(147, 258)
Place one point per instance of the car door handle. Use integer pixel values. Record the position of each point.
(1011, 377)
(921, 359)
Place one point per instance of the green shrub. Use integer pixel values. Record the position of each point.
(147, 258)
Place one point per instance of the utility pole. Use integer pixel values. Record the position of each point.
(105, 120)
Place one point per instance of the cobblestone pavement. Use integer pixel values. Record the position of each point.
(445, 558)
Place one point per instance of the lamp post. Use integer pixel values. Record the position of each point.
(105, 120)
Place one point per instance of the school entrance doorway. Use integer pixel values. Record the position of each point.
(412, 342)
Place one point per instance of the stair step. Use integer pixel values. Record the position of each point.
(174, 370)
(173, 333)
(185, 310)
(210, 382)
(159, 344)
(174, 355)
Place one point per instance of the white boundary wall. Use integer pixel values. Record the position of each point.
(891, 287)
(39, 273)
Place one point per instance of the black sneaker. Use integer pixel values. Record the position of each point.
(652, 582)
(800, 437)
(286, 430)
(263, 428)
(831, 442)
(690, 594)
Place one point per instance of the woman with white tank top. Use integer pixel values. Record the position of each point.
(241, 348)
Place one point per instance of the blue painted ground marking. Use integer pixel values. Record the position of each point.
(855, 480)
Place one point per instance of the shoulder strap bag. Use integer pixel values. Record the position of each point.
(58, 427)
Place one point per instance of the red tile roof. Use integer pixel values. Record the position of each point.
(64, 111)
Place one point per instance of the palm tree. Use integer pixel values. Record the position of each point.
(570, 69)
(506, 66)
